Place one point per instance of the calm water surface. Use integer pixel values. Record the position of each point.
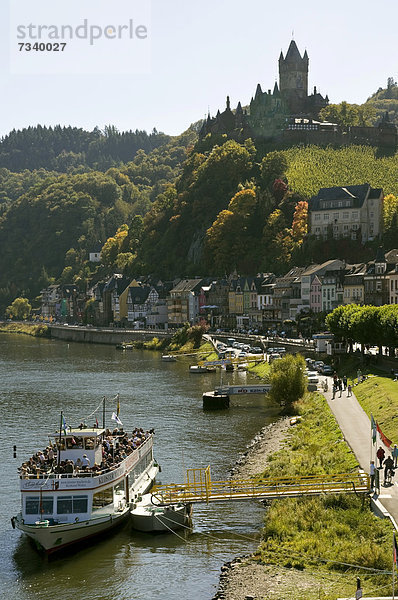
(39, 378)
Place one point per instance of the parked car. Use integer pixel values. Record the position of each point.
(274, 356)
(318, 364)
(327, 370)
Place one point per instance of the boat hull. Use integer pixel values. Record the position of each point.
(54, 538)
(152, 519)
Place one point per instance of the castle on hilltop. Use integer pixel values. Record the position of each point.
(290, 115)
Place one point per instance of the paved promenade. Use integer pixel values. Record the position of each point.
(355, 426)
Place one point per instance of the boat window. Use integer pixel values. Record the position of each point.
(90, 443)
(102, 498)
(64, 505)
(80, 504)
(61, 444)
(32, 505)
(79, 442)
(72, 504)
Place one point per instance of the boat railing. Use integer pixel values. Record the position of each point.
(84, 473)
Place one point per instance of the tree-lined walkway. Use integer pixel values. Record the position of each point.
(355, 426)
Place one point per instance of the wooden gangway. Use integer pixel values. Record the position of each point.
(200, 488)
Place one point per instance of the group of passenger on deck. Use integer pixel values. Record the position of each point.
(116, 446)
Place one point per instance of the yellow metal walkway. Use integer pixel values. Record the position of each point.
(200, 488)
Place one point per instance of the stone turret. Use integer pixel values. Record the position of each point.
(293, 77)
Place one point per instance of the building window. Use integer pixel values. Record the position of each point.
(355, 215)
(336, 216)
(354, 227)
(340, 204)
(345, 227)
(326, 217)
(317, 217)
(345, 215)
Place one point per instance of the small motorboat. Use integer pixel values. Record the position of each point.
(146, 516)
(198, 369)
(169, 358)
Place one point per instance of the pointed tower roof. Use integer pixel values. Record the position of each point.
(239, 108)
(276, 90)
(293, 53)
(228, 103)
(259, 91)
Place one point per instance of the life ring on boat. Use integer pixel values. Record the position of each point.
(77, 520)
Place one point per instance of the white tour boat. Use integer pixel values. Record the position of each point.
(63, 505)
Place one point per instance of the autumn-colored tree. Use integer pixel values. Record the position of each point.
(113, 245)
(300, 221)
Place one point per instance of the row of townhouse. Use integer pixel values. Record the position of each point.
(265, 301)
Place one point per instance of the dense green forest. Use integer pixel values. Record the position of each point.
(68, 148)
(171, 206)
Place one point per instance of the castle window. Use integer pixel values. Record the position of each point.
(354, 227)
(340, 204)
(355, 215)
(326, 217)
(317, 217)
(336, 216)
(345, 215)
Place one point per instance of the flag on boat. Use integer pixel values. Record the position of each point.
(395, 550)
(96, 422)
(118, 406)
(114, 417)
(64, 424)
(383, 437)
(373, 428)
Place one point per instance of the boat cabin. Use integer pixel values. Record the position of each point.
(79, 442)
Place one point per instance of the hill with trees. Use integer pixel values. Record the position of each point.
(174, 206)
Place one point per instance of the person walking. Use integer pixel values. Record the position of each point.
(380, 455)
(388, 469)
(340, 386)
(345, 382)
(334, 391)
(349, 391)
(395, 455)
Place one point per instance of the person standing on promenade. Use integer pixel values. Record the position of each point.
(345, 382)
(395, 455)
(334, 391)
(340, 386)
(380, 455)
(349, 390)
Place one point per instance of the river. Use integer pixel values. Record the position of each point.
(39, 378)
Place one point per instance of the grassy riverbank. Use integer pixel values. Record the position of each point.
(327, 538)
(36, 330)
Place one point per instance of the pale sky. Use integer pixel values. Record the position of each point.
(202, 51)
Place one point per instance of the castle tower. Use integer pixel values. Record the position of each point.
(293, 78)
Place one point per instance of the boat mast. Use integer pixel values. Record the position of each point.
(103, 414)
(60, 442)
